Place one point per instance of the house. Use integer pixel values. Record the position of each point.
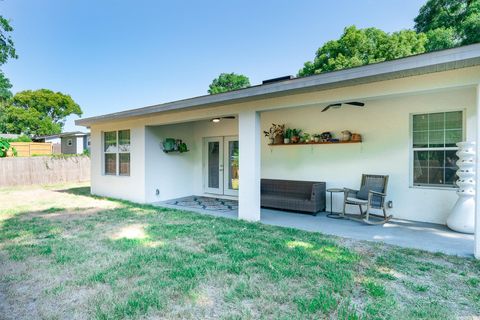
(416, 109)
(9, 135)
(68, 142)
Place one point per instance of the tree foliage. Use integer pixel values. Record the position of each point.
(5, 87)
(7, 48)
(440, 24)
(440, 38)
(228, 82)
(357, 47)
(7, 51)
(460, 17)
(39, 112)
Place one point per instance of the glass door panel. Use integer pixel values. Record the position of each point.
(213, 165)
(232, 172)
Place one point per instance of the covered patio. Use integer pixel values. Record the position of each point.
(404, 233)
(442, 87)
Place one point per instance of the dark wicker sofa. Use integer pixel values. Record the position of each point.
(304, 196)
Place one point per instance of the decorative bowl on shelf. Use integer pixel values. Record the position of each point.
(169, 144)
(356, 137)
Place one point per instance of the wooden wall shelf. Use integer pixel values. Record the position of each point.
(173, 151)
(311, 143)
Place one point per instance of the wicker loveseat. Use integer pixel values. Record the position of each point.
(304, 196)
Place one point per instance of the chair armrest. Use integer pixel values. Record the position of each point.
(379, 196)
(377, 193)
(317, 189)
(349, 192)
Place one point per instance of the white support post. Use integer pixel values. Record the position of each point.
(477, 171)
(249, 162)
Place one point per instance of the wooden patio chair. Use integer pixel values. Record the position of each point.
(372, 193)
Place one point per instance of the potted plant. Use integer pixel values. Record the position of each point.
(295, 135)
(269, 135)
(275, 134)
(306, 138)
(278, 133)
(316, 138)
(287, 136)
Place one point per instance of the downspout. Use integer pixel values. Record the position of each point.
(477, 177)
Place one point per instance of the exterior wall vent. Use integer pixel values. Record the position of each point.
(277, 79)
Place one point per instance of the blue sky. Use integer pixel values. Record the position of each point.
(113, 55)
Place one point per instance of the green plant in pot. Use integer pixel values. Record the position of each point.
(305, 138)
(287, 136)
(316, 138)
(296, 133)
(182, 147)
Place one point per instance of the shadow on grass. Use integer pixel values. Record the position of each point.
(78, 191)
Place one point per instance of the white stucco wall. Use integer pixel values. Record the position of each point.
(171, 174)
(124, 187)
(385, 127)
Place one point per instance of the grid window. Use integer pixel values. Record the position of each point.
(116, 148)
(435, 136)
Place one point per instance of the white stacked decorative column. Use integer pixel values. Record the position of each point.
(462, 217)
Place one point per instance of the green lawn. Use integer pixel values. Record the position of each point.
(65, 254)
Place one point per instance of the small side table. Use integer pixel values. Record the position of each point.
(334, 215)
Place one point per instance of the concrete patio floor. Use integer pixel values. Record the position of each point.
(409, 234)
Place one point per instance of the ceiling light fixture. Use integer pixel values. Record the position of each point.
(218, 119)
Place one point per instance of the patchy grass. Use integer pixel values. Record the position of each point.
(65, 254)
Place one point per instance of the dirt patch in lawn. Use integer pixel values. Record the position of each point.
(130, 231)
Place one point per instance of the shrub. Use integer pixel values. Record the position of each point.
(4, 147)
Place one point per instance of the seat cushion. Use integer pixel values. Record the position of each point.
(356, 200)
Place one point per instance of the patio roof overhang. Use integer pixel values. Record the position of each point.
(444, 60)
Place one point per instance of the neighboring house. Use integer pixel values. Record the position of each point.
(68, 142)
(416, 109)
(9, 135)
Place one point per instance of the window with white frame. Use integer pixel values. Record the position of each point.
(116, 148)
(434, 148)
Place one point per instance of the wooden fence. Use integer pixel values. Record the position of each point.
(28, 149)
(43, 170)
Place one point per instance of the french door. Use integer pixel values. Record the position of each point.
(220, 164)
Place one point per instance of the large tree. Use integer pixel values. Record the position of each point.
(5, 87)
(228, 82)
(357, 47)
(7, 51)
(459, 18)
(39, 112)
